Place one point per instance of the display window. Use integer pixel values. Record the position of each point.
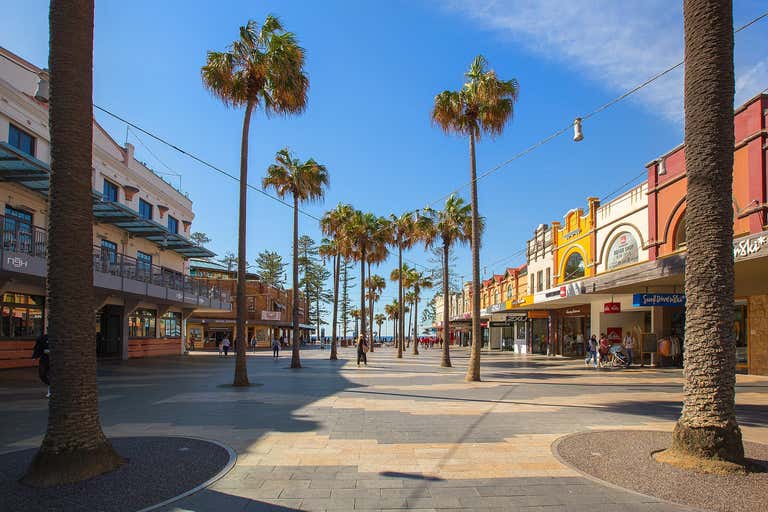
(141, 323)
(22, 316)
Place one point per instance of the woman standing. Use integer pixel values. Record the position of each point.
(362, 348)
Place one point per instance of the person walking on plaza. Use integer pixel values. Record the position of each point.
(219, 347)
(603, 349)
(225, 343)
(362, 348)
(275, 348)
(253, 344)
(42, 351)
(629, 344)
(591, 351)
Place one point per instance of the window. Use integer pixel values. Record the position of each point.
(509, 292)
(145, 209)
(109, 252)
(496, 297)
(17, 230)
(173, 224)
(143, 265)
(574, 267)
(549, 278)
(20, 139)
(22, 315)
(680, 236)
(251, 304)
(540, 280)
(532, 283)
(109, 191)
(170, 325)
(141, 323)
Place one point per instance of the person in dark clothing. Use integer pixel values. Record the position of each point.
(362, 348)
(42, 351)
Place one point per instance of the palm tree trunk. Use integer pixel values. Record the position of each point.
(75, 447)
(362, 293)
(336, 270)
(446, 360)
(295, 356)
(473, 369)
(707, 427)
(241, 368)
(370, 312)
(416, 326)
(401, 314)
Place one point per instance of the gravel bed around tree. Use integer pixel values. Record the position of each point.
(158, 469)
(625, 458)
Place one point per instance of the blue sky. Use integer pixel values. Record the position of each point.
(374, 70)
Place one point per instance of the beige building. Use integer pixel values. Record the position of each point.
(140, 235)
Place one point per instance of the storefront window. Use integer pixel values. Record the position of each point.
(539, 335)
(170, 325)
(141, 323)
(574, 332)
(574, 267)
(740, 332)
(22, 315)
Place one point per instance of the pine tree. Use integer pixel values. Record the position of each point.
(230, 260)
(345, 304)
(271, 268)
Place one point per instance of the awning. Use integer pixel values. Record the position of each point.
(19, 167)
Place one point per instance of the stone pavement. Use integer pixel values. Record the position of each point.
(398, 434)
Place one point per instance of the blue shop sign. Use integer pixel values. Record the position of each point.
(658, 299)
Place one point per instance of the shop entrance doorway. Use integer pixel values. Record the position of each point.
(109, 331)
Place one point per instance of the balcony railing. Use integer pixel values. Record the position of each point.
(27, 247)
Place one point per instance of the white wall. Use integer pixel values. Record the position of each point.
(628, 213)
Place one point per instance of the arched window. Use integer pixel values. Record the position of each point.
(509, 292)
(680, 239)
(574, 267)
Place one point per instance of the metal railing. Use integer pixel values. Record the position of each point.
(20, 236)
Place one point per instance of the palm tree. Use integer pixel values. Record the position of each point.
(363, 231)
(333, 224)
(410, 298)
(402, 230)
(399, 274)
(303, 181)
(75, 447)
(451, 225)
(484, 105)
(356, 315)
(376, 255)
(707, 428)
(393, 310)
(375, 285)
(263, 68)
(417, 281)
(379, 319)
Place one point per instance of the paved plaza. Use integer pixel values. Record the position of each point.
(398, 434)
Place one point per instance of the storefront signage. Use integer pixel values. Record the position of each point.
(522, 317)
(576, 311)
(613, 334)
(623, 251)
(658, 299)
(538, 314)
(270, 315)
(612, 307)
(560, 292)
(572, 233)
(749, 246)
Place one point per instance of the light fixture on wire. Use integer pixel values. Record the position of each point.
(578, 134)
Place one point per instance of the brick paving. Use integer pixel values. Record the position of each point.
(399, 434)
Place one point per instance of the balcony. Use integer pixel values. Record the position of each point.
(24, 250)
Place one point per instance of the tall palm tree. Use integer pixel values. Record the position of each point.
(393, 310)
(263, 68)
(333, 224)
(303, 181)
(379, 319)
(378, 253)
(707, 428)
(363, 230)
(410, 298)
(401, 236)
(356, 315)
(75, 447)
(417, 281)
(484, 105)
(449, 226)
(375, 285)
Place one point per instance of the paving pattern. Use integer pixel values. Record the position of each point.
(398, 434)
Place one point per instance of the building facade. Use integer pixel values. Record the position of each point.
(142, 289)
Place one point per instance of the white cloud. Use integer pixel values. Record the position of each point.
(616, 44)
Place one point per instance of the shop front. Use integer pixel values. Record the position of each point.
(540, 328)
(573, 330)
(512, 331)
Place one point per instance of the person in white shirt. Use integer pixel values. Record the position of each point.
(225, 343)
(629, 344)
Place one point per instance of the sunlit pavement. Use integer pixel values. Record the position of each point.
(398, 434)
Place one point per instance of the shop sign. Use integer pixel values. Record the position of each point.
(560, 292)
(538, 314)
(571, 289)
(623, 251)
(495, 308)
(270, 315)
(613, 334)
(658, 299)
(612, 307)
(522, 317)
(576, 311)
(749, 246)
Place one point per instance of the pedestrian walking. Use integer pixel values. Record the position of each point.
(253, 344)
(362, 348)
(629, 344)
(275, 348)
(603, 349)
(591, 351)
(41, 351)
(219, 347)
(225, 343)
